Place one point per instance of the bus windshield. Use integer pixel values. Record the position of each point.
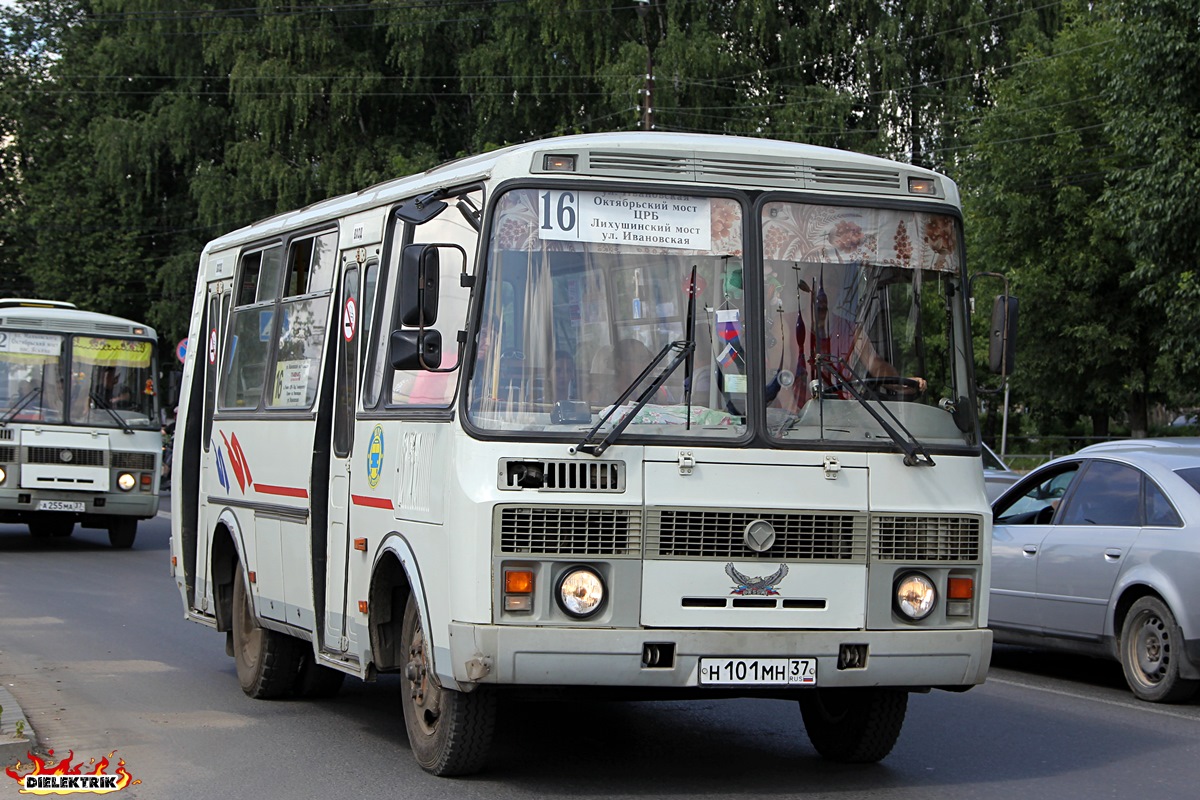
(107, 381)
(584, 289)
(862, 317)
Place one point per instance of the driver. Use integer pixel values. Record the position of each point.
(850, 348)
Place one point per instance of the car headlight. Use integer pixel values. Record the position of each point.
(915, 596)
(3, 475)
(126, 481)
(580, 592)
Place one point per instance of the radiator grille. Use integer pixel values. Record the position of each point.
(8, 454)
(916, 537)
(799, 535)
(54, 455)
(560, 531)
(551, 475)
(139, 461)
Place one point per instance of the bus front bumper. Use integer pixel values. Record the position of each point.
(915, 659)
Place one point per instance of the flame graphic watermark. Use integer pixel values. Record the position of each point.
(47, 777)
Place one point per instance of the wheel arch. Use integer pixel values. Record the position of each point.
(395, 577)
(226, 551)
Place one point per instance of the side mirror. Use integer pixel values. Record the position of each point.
(415, 349)
(1002, 345)
(420, 271)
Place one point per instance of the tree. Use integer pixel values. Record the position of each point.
(1035, 183)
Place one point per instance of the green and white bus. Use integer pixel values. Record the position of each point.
(80, 435)
(686, 415)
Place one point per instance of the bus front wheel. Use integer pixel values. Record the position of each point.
(450, 732)
(267, 661)
(854, 726)
(121, 532)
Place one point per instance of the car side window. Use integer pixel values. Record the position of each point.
(1108, 494)
(1040, 500)
(1159, 511)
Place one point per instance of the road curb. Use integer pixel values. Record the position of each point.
(14, 748)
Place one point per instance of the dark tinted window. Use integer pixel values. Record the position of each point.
(1108, 494)
(1191, 475)
(1159, 511)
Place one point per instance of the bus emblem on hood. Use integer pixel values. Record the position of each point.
(759, 535)
(756, 586)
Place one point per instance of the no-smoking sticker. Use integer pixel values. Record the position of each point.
(349, 317)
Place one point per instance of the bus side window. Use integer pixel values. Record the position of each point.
(251, 330)
(420, 387)
(300, 337)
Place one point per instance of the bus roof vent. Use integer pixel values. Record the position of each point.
(849, 178)
(649, 165)
(756, 172)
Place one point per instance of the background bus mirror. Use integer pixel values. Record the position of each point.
(1002, 347)
(408, 347)
(420, 270)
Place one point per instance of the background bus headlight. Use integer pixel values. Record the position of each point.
(915, 596)
(3, 475)
(126, 481)
(580, 592)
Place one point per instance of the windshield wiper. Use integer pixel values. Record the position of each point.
(22, 401)
(914, 451)
(102, 403)
(684, 348)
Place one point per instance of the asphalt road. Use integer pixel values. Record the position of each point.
(94, 646)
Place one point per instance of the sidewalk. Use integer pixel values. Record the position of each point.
(14, 748)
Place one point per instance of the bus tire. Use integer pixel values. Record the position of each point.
(450, 732)
(122, 532)
(317, 681)
(853, 726)
(267, 661)
(51, 526)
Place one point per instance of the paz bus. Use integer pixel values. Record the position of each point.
(684, 415)
(80, 436)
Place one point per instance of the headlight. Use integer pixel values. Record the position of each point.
(2, 475)
(580, 592)
(915, 596)
(126, 481)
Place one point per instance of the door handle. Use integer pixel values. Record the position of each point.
(1112, 554)
(1030, 549)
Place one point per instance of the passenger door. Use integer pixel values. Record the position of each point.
(1082, 555)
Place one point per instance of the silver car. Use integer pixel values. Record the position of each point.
(1099, 553)
(996, 475)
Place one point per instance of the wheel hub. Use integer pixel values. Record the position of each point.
(1152, 649)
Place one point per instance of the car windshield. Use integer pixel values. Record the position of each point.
(109, 382)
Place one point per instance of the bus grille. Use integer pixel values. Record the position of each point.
(915, 537)
(561, 475)
(799, 535)
(558, 531)
(140, 461)
(6, 434)
(65, 455)
(8, 454)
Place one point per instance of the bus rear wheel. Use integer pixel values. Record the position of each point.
(267, 661)
(121, 532)
(853, 726)
(450, 732)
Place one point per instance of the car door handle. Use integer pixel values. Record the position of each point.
(1112, 554)
(1030, 549)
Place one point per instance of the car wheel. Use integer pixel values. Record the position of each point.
(450, 732)
(1151, 651)
(853, 726)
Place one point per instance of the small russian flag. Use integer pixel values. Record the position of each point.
(728, 324)
(728, 357)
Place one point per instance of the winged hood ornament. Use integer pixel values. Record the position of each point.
(745, 585)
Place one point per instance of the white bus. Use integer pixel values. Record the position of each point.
(690, 415)
(80, 435)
